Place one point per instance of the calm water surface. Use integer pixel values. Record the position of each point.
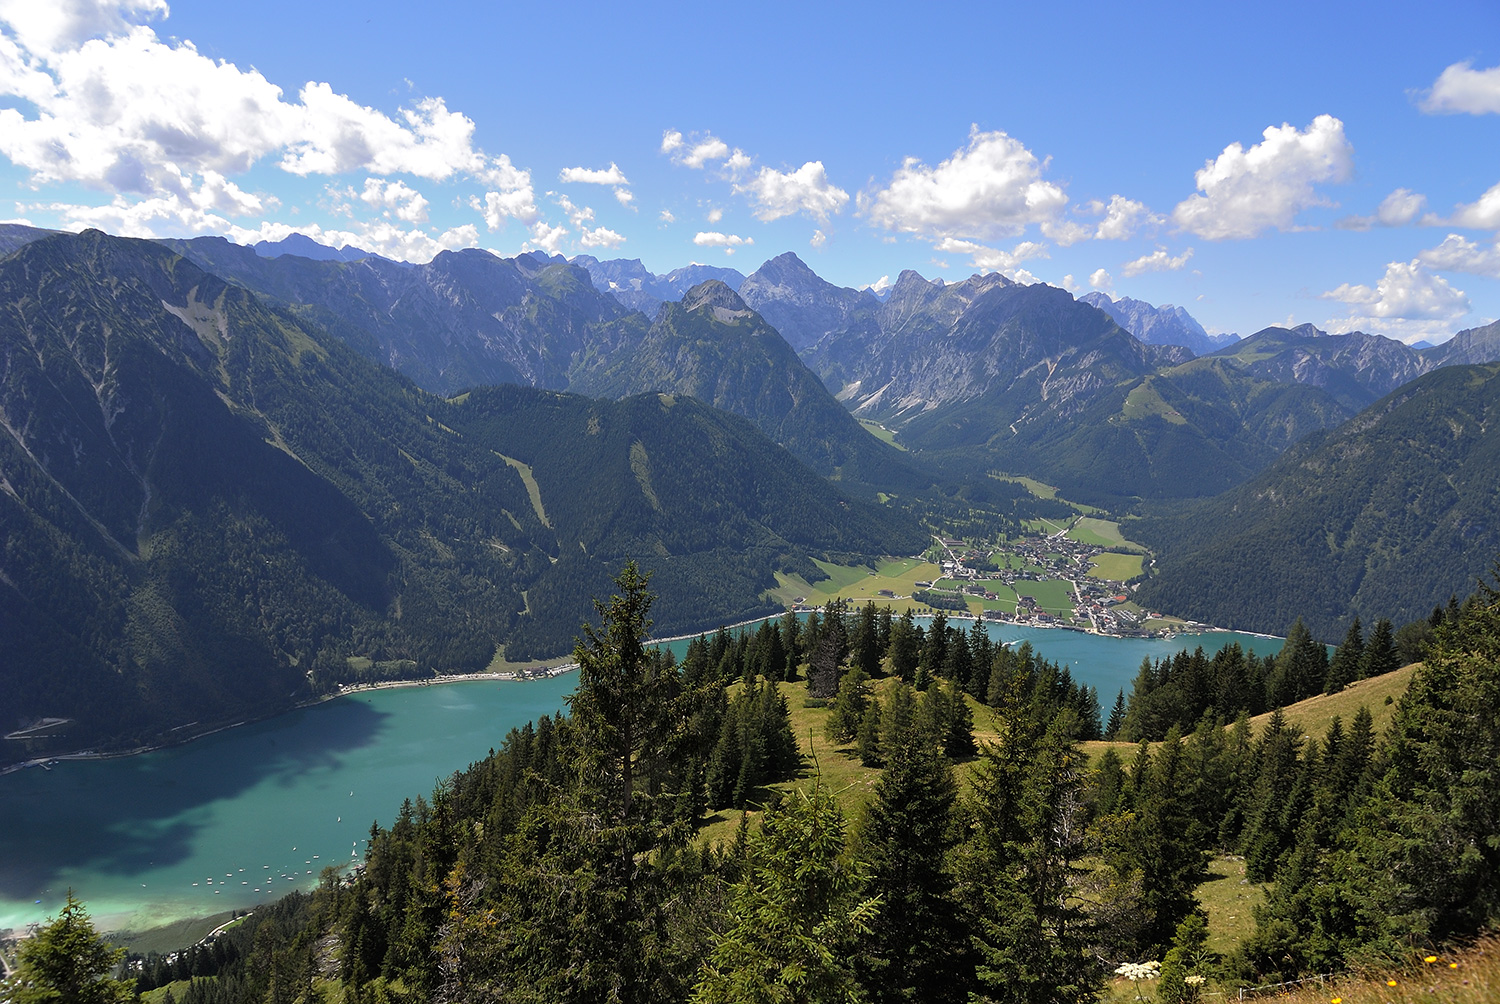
(250, 813)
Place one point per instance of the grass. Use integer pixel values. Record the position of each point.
(1035, 487)
(1316, 713)
(1052, 595)
(170, 937)
(881, 433)
(1114, 567)
(860, 583)
(1230, 902)
(1101, 533)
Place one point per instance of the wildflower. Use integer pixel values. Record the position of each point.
(1337, 1000)
(1134, 971)
(1390, 983)
(1453, 965)
(1194, 980)
(1430, 959)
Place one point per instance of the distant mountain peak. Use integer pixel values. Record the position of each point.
(715, 295)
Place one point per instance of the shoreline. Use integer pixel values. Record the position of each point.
(510, 676)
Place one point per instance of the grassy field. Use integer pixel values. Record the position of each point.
(881, 433)
(859, 582)
(1114, 567)
(1230, 902)
(1052, 595)
(1316, 713)
(1100, 533)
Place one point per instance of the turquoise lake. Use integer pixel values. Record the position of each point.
(248, 814)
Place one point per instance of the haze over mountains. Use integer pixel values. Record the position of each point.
(399, 465)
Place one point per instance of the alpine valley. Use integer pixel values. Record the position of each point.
(235, 478)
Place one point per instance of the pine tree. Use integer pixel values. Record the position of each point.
(917, 948)
(795, 915)
(1116, 718)
(848, 713)
(67, 961)
(905, 648)
(1380, 655)
(1347, 664)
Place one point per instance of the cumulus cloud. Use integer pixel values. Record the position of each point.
(818, 239)
(991, 188)
(56, 25)
(667, 216)
(781, 193)
(1070, 284)
(396, 198)
(600, 237)
(545, 237)
(715, 215)
(1461, 89)
(1244, 193)
(382, 237)
(700, 152)
(671, 140)
(1156, 261)
(1122, 218)
(714, 239)
(1396, 210)
(879, 285)
(991, 259)
(611, 175)
(109, 105)
(1459, 254)
(626, 198)
(1408, 302)
(1483, 214)
(1101, 280)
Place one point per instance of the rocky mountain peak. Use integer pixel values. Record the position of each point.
(716, 296)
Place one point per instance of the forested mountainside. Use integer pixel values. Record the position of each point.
(211, 506)
(1382, 517)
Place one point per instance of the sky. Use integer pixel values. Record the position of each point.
(1278, 163)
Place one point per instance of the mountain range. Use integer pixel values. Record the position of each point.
(231, 477)
(213, 507)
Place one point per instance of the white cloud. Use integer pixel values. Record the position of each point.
(1066, 233)
(1462, 89)
(1123, 217)
(991, 259)
(1246, 192)
(667, 216)
(1156, 261)
(701, 152)
(818, 239)
(991, 188)
(1100, 280)
(738, 162)
(1483, 214)
(1070, 284)
(1396, 210)
(1459, 254)
(48, 26)
(1408, 302)
(395, 197)
(714, 239)
(715, 215)
(879, 285)
(671, 140)
(579, 215)
(611, 175)
(626, 198)
(131, 114)
(782, 193)
(600, 237)
(545, 237)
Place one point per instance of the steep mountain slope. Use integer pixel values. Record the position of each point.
(465, 318)
(1472, 345)
(803, 306)
(211, 509)
(1163, 325)
(1385, 516)
(712, 346)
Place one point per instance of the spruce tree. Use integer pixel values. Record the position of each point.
(1347, 664)
(917, 947)
(67, 961)
(1380, 655)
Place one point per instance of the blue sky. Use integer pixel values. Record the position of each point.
(1339, 164)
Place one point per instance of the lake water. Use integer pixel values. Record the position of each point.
(250, 813)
